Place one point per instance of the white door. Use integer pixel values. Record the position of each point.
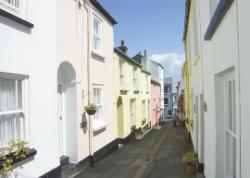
(231, 128)
(60, 118)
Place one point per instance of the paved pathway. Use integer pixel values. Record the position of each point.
(157, 155)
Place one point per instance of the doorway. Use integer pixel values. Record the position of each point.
(66, 104)
(120, 118)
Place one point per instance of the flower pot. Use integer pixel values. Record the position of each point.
(191, 169)
(90, 111)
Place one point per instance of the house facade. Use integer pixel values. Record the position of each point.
(83, 48)
(132, 85)
(168, 99)
(216, 74)
(48, 80)
(161, 81)
(28, 93)
(156, 94)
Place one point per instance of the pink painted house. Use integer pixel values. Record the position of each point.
(155, 103)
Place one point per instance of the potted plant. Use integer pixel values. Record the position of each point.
(190, 158)
(91, 109)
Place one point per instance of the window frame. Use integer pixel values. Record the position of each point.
(100, 104)
(99, 36)
(23, 112)
(12, 8)
(122, 75)
(135, 79)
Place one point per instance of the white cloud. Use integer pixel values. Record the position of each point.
(172, 64)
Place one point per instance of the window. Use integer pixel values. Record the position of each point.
(97, 31)
(166, 101)
(12, 114)
(122, 75)
(231, 134)
(169, 112)
(132, 111)
(13, 4)
(166, 89)
(97, 99)
(134, 79)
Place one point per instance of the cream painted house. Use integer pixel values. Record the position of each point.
(85, 74)
(217, 44)
(132, 98)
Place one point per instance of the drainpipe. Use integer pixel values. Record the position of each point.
(88, 8)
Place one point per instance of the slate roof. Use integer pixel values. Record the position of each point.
(103, 11)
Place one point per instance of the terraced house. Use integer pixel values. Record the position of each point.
(132, 85)
(51, 76)
(217, 84)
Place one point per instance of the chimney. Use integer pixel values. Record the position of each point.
(145, 53)
(123, 47)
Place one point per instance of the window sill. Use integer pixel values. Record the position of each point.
(31, 153)
(99, 125)
(15, 18)
(219, 13)
(98, 54)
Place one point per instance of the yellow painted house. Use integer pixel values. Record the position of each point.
(132, 87)
(186, 72)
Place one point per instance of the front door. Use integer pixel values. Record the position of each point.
(231, 128)
(60, 118)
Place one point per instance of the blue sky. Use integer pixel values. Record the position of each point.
(156, 25)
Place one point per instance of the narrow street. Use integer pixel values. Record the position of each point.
(157, 155)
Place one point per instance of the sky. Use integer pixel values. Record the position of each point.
(155, 25)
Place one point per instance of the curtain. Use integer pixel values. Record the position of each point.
(9, 123)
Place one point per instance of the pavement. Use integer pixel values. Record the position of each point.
(157, 155)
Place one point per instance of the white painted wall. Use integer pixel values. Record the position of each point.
(101, 73)
(32, 52)
(226, 51)
(71, 47)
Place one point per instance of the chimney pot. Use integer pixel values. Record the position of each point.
(122, 43)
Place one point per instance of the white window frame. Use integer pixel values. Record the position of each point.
(23, 112)
(97, 36)
(122, 74)
(99, 104)
(17, 11)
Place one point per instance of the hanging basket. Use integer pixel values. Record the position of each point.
(91, 109)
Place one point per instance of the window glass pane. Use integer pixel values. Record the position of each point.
(20, 94)
(15, 3)
(7, 95)
(9, 128)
